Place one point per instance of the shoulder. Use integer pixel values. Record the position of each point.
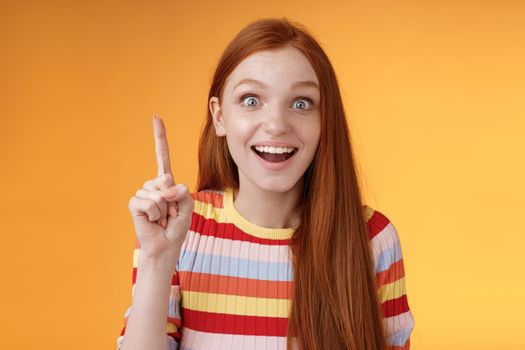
(378, 224)
(390, 279)
(208, 197)
(384, 239)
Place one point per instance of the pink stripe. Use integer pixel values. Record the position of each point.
(248, 250)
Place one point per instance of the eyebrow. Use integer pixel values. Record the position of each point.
(305, 83)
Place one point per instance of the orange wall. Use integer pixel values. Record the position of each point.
(434, 92)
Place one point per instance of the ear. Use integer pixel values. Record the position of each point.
(216, 114)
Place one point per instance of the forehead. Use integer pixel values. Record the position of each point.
(283, 65)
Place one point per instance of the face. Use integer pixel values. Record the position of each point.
(270, 101)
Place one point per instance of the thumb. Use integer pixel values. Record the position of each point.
(179, 223)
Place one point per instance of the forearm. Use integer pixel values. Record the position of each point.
(146, 326)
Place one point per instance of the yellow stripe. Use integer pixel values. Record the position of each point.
(368, 212)
(208, 211)
(247, 226)
(170, 327)
(229, 215)
(235, 304)
(392, 290)
(136, 252)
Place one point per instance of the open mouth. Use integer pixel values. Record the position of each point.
(274, 157)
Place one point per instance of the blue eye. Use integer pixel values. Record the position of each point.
(310, 102)
(302, 101)
(243, 98)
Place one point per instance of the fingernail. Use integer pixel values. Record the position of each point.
(173, 211)
(164, 222)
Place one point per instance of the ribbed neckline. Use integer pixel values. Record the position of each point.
(248, 226)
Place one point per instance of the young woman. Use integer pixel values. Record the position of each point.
(275, 250)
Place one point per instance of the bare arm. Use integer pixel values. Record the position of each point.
(146, 327)
(162, 214)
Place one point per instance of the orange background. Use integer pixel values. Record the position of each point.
(434, 92)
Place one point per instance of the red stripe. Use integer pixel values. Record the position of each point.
(175, 335)
(174, 277)
(208, 197)
(394, 272)
(394, 307)
(376, 223)
(177, 322)
(234, 324)
(231, 285)
(210, 227)
(404, 347)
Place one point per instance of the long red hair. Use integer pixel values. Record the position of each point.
(335, 303)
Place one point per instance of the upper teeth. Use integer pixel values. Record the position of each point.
(268, 149)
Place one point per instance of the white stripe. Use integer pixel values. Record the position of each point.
(384, 240)
(193, 340)
(398, 323)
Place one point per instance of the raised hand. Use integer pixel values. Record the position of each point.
(161, 210)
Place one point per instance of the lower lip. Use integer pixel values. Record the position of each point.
(274, 166)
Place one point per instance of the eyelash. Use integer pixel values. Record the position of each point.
(241, 99)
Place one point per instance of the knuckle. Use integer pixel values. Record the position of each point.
(150, 206)
(162, 152)
(149, 185)
(158, 197)
(166, 179)
(152, 210)
(134, 205)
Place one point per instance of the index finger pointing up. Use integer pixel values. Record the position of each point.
(161, 147)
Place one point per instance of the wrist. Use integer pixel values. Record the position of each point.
(165, 263)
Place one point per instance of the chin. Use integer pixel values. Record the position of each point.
(276, 185)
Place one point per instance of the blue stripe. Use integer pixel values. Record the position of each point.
(399, 338)
(387, 257)
(234, 267)
(172, 343)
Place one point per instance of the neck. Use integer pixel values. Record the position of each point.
(269, 209)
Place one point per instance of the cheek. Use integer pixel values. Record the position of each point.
(310, 132)
(238, 136)
(240, 129)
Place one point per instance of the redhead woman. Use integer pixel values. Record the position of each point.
(275, 249)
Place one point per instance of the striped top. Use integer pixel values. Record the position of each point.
(232, 285)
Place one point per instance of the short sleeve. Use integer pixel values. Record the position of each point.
(173, 322)
(398, 320)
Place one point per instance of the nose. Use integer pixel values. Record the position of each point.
(276, 122)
